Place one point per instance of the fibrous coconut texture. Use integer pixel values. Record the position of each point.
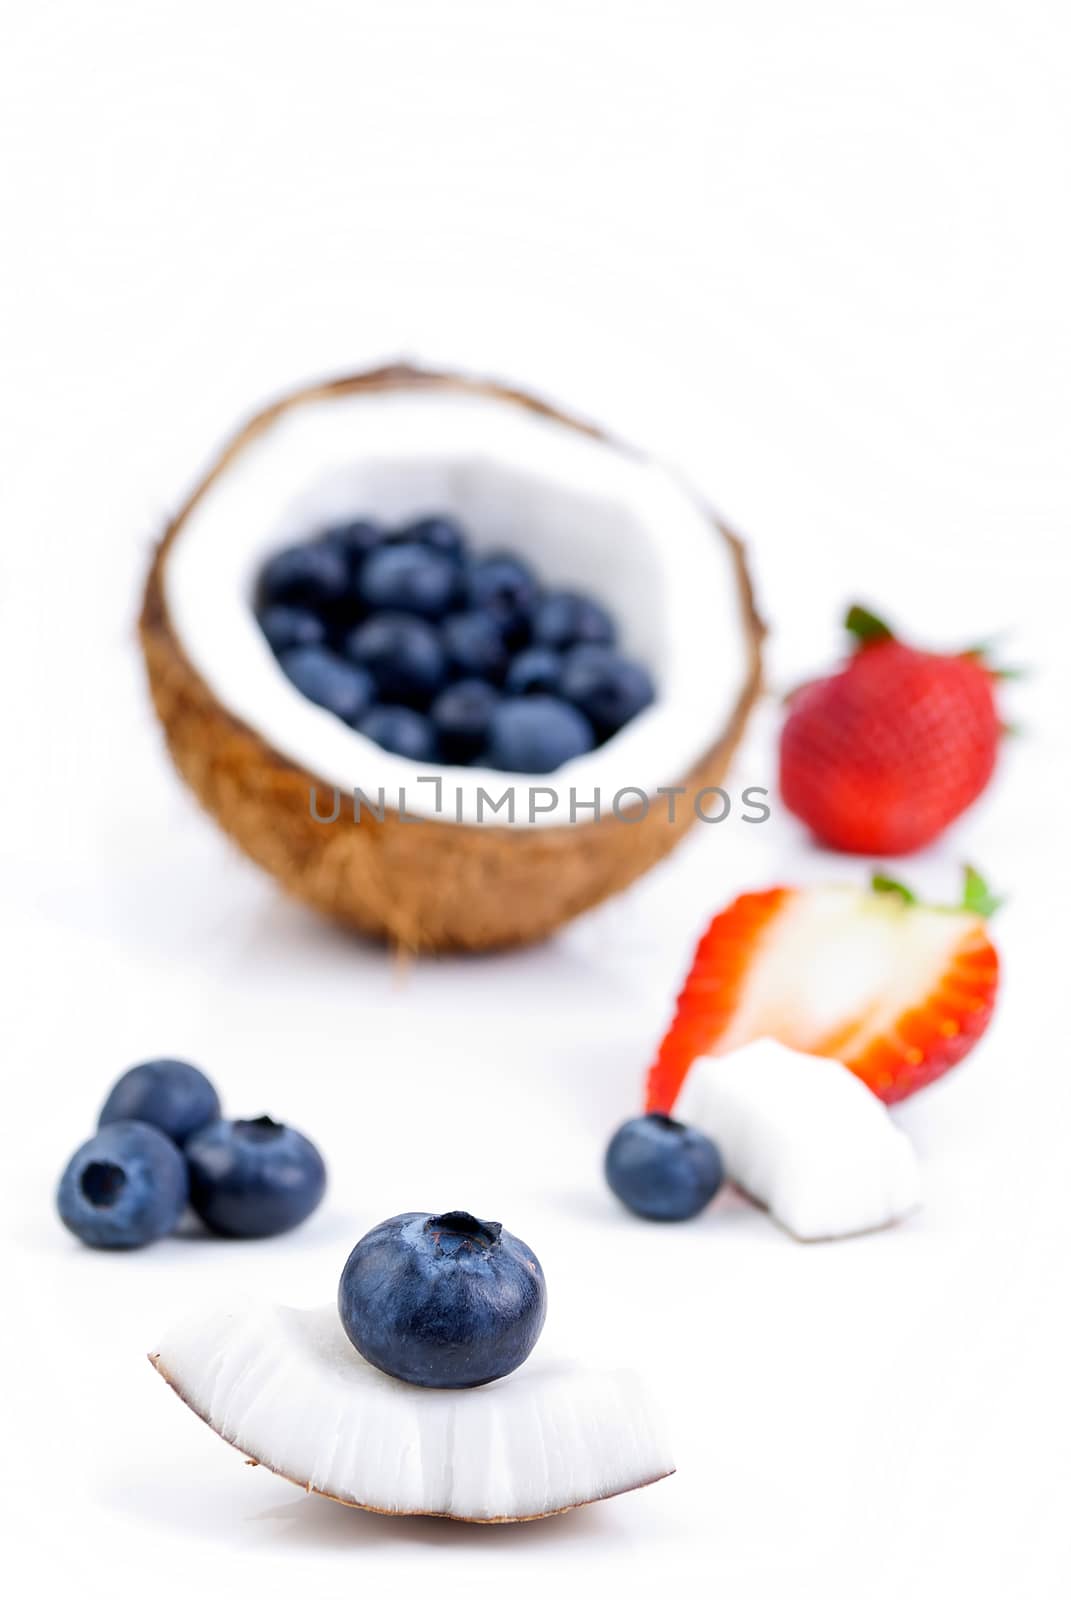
(429, 864)
(287, 1389)
(805, 1137)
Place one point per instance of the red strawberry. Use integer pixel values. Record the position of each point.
(896, 990)
(881, 757)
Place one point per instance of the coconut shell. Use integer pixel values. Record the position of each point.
(422, 884)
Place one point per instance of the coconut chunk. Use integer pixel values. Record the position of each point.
(805, 1137)
(288, 1389)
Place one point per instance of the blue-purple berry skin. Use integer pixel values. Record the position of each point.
(402, 731)
(124, 1188)
(255, 1178)
(444, 1302)
(536, 734)
(662, 1170)
(174, 1096)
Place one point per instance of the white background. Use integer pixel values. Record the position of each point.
(817, 253)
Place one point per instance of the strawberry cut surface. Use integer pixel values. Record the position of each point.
(897, 991)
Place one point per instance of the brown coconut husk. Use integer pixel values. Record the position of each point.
(422, 884)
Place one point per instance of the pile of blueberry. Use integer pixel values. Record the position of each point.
(445, 656)
(162, 1144)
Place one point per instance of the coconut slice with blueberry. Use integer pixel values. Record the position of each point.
(363, 548)
(415, 1395)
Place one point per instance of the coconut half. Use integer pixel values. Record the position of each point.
(446, 857)
(288, 1389)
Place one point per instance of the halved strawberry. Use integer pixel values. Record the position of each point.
(897, 990)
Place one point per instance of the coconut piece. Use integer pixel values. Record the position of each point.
(430, 866)
(804, 1137)
(288, 1389)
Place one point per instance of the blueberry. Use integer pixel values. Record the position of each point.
(289, 627)
(662, 1170)
(534, 671)
(400, 730)
(354, 541)
(461, 716)
(315, 576)
(609, 689)
(404, 656)
(536, 734)
(249, 1180)
(409, 577)
(328, 681)
(172, 1095)
(474, 645)
(447, 1302)
(124, 1187)
(506, 588)
(436, 533)
(564, 619)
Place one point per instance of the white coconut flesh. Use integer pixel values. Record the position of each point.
(805, 1137)
(586, 514)
(287, 1388)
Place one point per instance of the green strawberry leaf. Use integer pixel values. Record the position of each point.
(977, 895)
(883, 885)
(867, 628)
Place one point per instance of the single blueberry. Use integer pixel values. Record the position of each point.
(474, 645)
(534, 671)
(124, 1187)
(461, 716)
(173, 1096)
(314, 576)
(608, 688)
(355, 540)
(289, 627)
(409, 577)
(403, 654)
(506, 588)
(447, 1302)
(662, 1170)
(249, 1180)
(563, 619)
(436, 533)
(400, 730)
(328, 681)
(536, 734)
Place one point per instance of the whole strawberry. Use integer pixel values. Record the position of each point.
(879, 758)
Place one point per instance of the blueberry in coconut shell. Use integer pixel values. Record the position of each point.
(400, 730)
(506, 588)
(536, 734)
(436, 533)
(252, 1179)
(608, 688)
(314, 576)
(124, 1188)
(537, 670)
(328, 681)
(291, 627)
(410, 578)
(564, 619)
(475, 646)
(173, 1096)
(661, 1169)
(445, 1302)
(404, 655)
(461, 716)
(355, 541)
